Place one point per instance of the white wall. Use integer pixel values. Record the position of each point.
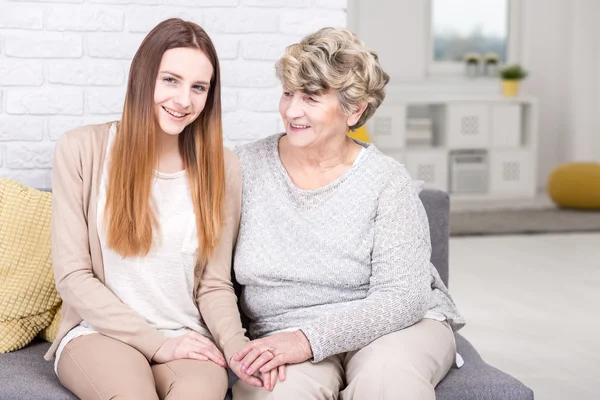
(397, 30)
(64, 63)
(584, 89)
(557, 42)
(545, 41)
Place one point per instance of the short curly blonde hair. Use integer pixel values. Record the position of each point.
(337, 59)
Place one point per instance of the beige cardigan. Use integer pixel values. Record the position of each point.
(77, 256)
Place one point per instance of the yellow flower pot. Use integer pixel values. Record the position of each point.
(510, 87)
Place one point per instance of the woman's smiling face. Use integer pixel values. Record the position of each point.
(181, 89)
(312, 119)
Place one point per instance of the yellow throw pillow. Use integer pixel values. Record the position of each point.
(49, 333)
(28, 297)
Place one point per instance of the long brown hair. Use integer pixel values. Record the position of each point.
(128, 212)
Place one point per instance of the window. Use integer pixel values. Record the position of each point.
(460, 28)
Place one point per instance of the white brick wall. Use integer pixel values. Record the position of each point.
(64, 63)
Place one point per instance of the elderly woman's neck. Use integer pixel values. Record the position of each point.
(323, 156)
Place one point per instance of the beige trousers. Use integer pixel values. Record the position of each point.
(98, 367)
(407, 364)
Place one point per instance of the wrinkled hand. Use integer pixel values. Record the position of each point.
(273, 351)
(191, 345)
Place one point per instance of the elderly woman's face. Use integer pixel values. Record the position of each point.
(312, 119)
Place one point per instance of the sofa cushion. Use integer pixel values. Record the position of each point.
(28, 298)
(476, 380)
(25, 375)
(437, 206)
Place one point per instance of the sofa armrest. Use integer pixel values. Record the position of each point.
(437, 206)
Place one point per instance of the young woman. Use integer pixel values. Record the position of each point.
(145, 215)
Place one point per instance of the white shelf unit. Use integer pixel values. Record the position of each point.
(481, 147)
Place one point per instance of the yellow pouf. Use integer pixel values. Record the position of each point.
(576, 185)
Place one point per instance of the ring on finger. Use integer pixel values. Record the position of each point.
(269, 350)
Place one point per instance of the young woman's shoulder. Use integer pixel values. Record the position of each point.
(89, 133)
(83, 143)
(86, 139)
(232, 164)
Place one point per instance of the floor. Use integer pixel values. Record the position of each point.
(531, 304)
(541, 200)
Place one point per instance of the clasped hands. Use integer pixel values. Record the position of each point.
(269, 356)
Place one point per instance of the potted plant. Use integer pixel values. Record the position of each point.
(490, 63)
(511, 76)
(472, 61)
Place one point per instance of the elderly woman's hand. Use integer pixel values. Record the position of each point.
(272, 351)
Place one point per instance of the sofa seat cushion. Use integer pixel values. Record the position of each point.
(477, 380)
(25, 375)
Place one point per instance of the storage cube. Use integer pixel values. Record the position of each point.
(467, 126)
(430, 166)
(387, 127)
(511, 172)
(506, 126)
(468, 171)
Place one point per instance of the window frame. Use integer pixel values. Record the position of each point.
(455, 69)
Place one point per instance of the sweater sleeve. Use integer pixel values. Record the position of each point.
(400, 282)
(75, 281)
(216, 297)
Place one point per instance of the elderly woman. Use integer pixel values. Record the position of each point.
(333, 251)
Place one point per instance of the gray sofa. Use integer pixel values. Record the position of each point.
(25, 375)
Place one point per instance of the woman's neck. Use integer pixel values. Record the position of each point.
(338, 151)
(314, 168)
(169, 156)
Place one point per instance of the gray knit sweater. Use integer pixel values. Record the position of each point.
(346, 263)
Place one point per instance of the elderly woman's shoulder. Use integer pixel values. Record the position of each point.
(391, 176)
(257, 150)
(388, 166)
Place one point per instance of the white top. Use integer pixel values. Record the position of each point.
(158, 286)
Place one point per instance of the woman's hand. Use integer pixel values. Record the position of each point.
(270, 377)
(236, 367)
(191, 345)
(273, 351)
